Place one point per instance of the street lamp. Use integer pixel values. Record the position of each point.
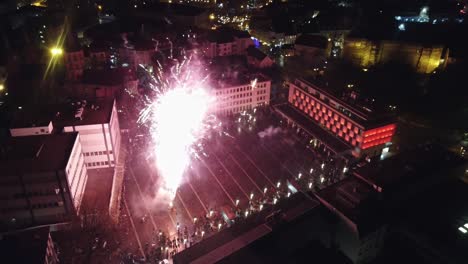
(2, 87)
(56, 51)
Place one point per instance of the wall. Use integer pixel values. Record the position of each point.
(423, 59)
(235, 99)
(77, 174)
(31, 131)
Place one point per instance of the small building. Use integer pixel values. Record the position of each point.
(258, 59)
(43, 180)
(99, 54)
(227, 42)
(30, 246)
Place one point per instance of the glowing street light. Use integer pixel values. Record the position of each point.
(311, 170)
(261, 207)
(212, 16)
(310, 185)
(322, 166)
(278, 184)
(2, 87)
(251, 196)
(195, 219)
(299, 176)
(237, 202)
(345, 170)
(275, 200)
(56, 51)
(265, 190)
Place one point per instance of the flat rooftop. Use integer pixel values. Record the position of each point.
(25, 247)
(241, 234)
(360, 112)
(37, 153)
(61, 115)
(435, 217)
(331, 141)
(409, 166)
(355, 201)
(231, 80)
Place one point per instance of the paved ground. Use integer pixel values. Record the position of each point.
(238, 172)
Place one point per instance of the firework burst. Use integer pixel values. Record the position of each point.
(177, 114)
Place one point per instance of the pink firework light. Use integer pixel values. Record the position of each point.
(178, 117)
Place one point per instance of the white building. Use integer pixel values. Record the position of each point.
(227, 42)
(43, 180)
(236, 95)
(97, 122)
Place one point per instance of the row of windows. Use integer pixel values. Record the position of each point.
(97, 153)
(243, 101)
(237, 96)
(99, 163)
(241, 89)
(261, 92)
(261, 98)
(34, 206)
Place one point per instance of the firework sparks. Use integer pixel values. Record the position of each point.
(177, 115)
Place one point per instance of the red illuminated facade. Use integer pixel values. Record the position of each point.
(351, 125)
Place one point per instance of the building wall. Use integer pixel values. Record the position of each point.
(336, 122)
(74, 63)
(310, 53)
(31, 131)
(94, 91)
(235, 99)
(100, 142)
(51, 254)
(77, 174)
(365, 53)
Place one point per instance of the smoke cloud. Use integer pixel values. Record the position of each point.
(269, 132)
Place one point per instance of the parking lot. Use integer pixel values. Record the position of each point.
(255, 161)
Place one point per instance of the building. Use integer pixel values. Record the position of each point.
(103, 83)
(234, 95)
(258, 59)
(227, 42)
(339, 125)
(424, 58)
(99, 54)
(74, 60)
(139, 52)
(312, 48)
(30, 246)
(261, 237)
(98, 125)
(97, 122)
(359, 228)
(43, 180)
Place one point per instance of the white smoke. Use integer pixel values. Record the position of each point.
(269, 132)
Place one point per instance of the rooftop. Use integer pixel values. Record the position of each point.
(106, 77)
(256, 53)
(25, 247)
(316, 41)
(37, 153)
(357, 110)
(226, 35)
(242, 234)
(62, 115)
(354, 201)
(434, 218)
(409, 167)
(234, 78)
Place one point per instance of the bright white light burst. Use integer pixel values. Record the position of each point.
(178, 118)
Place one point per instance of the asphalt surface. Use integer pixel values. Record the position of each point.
(249, 164)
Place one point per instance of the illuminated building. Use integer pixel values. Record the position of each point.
(227, 42)
(235, 95)
(97, 122)
(74, 63)
(43, 180)
(338, 125)
(423, 58)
